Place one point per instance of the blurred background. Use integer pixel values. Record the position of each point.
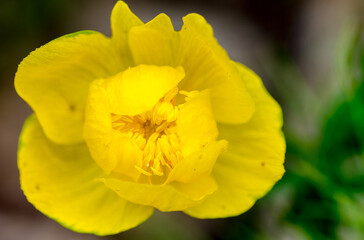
(310, 55)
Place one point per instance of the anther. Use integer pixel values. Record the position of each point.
(155, 134)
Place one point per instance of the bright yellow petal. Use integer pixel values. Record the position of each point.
(198, 164)
(163, 24)
(153, 42)
(207, 66)
(196, 125)
(138, 89)
(149, 46)
(254, 159)
(131, 92)
(197, 130)
(122, 20)
(54, 81)
(60, 182)
(126, 155)
(109, 148)
(98, 126)
(197, 190)
(163, 197)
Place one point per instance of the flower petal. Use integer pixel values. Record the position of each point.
(138, 89)
(54, 81)
(153, 42)
(126, 155)
(131, 92)
(198, 164)
(207, 66)
(98, 126)
(107, 146)
(163, 24)
(163, 197)
(197, 130)
(122, 20)
(197, 190)
(196, 125)
(60, 182)
(254, 160)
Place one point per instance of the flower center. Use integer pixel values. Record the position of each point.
(155, 133)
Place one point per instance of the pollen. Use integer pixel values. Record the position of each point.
(155, 134)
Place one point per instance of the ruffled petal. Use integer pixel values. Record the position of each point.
(138, 89)
(198, 164)
(125, 154)
(254, 160)
(163, 24)
(197, 190)
(196, 125)
(197, 130)
(54, 81)
(60, 182)
(122, 20)
(98, 126)
(154, 42)
(207, 66)
(163, 197)
(131, 92)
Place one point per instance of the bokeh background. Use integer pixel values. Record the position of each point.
(310, 55)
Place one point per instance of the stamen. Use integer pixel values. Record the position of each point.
(155, 134)
(173, 140)
(162, 127)
(143, 171)
(171, 94)
(189, 95)
(173, 115)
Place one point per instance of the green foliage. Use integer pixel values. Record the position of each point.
(330, 193)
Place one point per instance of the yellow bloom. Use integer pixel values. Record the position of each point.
(149, 118)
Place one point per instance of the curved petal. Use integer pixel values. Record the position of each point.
(126, 155)
(163, 197)
(138, 89)
(163, 24)
(60, 182)
(98, 126)
(254, 159)
(154, 42)
(197, 190)
(198, 164)
(207, 66)
(131, 92)
(54, 81)
(197, 130)
(196, 125)
(122, 20)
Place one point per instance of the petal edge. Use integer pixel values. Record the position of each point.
(59, 182)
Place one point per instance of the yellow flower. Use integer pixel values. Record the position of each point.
(149, 118)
